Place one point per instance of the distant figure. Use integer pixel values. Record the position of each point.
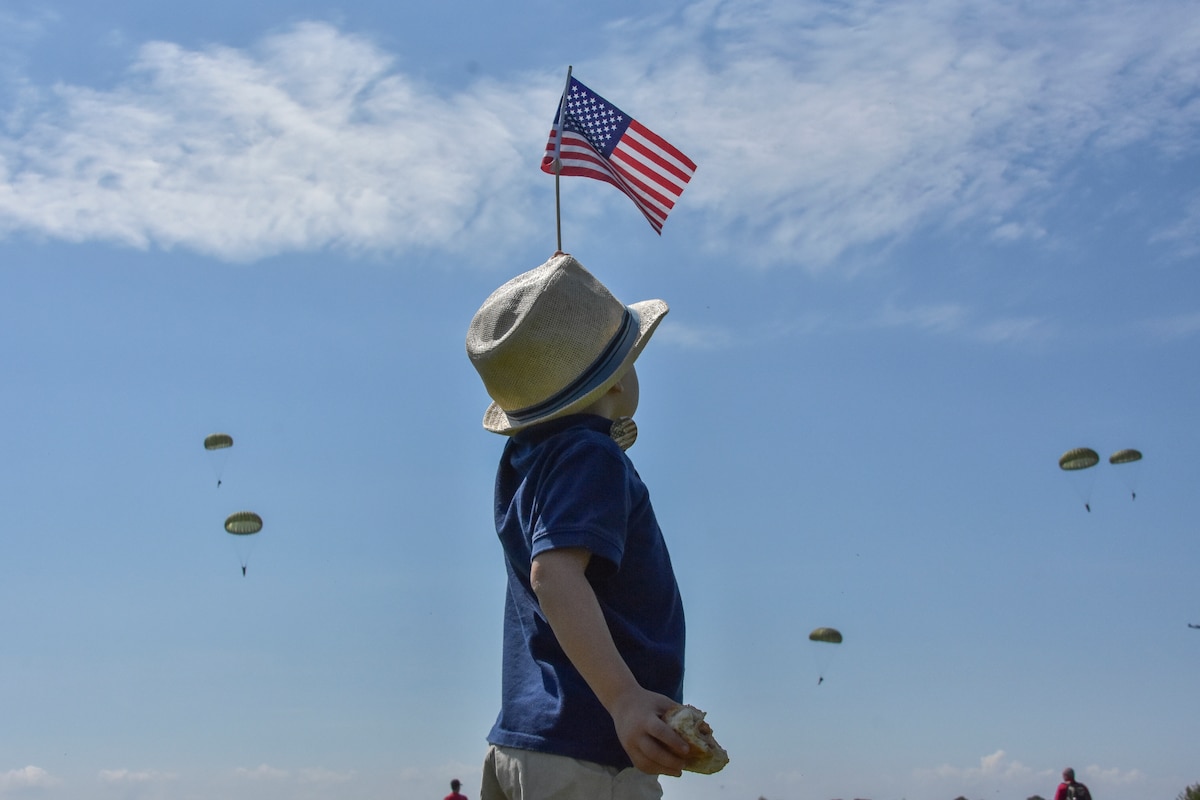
(1071, 789)
(454, 793)
(243, 572)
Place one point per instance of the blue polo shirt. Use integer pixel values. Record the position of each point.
(566, 483)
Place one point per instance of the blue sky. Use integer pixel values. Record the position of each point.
(928, 248)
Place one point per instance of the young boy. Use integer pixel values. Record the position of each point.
(593, 621)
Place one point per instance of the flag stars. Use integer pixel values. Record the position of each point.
(595, 124)
(592, 116)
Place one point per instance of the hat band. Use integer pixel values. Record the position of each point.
(597, 372)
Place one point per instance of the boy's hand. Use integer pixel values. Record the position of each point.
(651, 743)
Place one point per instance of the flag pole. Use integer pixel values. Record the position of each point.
(562, 118)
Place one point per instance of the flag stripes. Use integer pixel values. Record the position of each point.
(600, 141)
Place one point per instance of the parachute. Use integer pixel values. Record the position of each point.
(1125, 457)
(218, 444)
(1079, 458)
(1076, 460)
(822, 652)
(218, 441)
(831, 635)
(1129, 474)
(243, 525)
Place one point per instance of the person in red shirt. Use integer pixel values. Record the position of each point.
(1071, 789)
(454, 793)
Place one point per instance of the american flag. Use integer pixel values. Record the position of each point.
(600, 141)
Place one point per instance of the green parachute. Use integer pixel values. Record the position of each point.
(218, 444)
(1128, 474)
(823, 653)
(1075, 461)
(242, 525)
(1125, 457)
(1079, 458)
(218, 441)
(831, 635)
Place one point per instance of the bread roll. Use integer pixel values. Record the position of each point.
(705, 755)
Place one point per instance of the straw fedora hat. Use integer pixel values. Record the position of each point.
(552, 341)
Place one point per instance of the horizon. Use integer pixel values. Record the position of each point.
(927, 250)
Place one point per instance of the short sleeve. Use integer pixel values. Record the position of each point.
(583, 500)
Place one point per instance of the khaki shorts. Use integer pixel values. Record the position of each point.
(512, 774)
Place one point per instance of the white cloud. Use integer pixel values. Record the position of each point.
(1014, 329)
(262, 772)
(1175, 327)
(842, 129)
(28, 777)
(17, 30)
(306, 775)
(958, 319)
(943, 318)
(859, 124)
(695, 337)
(1183, 234)
(324, 776)
(134, 777)
(998, 770)
(995, 765)
(1113, 776)
(310, 141)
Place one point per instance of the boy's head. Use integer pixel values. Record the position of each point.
(552, 341)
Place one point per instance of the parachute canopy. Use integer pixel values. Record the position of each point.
(218, 441)
(1125, 457)
(1079, 458)
(831, 635)
(243, 523)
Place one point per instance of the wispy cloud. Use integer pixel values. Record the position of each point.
(946, 319)
(262, 772)
(943, 318)
(324, 776)
(1014, 329)
(994, 765)
(1174, 327)
(306, 775)
(17, 33)
(842, 128)
(309, 141)
(134, 777)
(961, 321)
(1182, 233)
(994, 772)
(696, 337)
(999, 770)
(1112, 775)
(19, 30)
(29, 777)
(860, 123)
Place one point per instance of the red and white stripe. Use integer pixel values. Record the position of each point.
(643, 165)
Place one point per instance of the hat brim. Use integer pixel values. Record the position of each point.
(649, 314)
